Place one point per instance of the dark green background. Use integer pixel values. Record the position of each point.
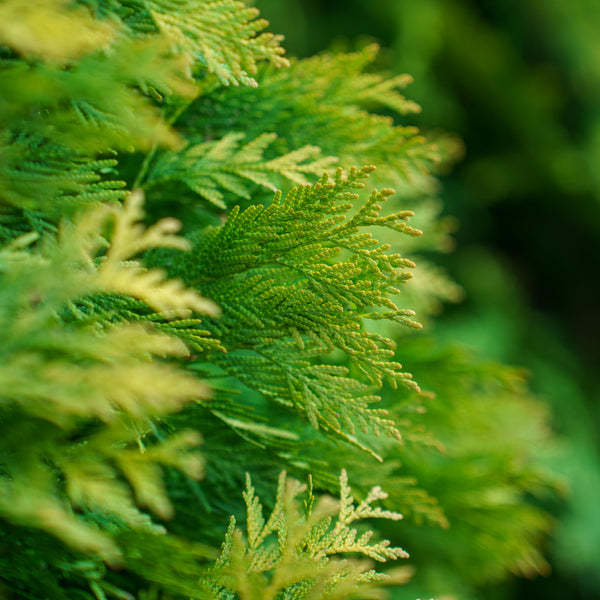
(519, 82)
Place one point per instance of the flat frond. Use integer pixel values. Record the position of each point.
(335, 105)
(295, 280)
(79, 395)
(35, 176)
(119, 273)
(300, 553)
(224, 36)
(228, 167)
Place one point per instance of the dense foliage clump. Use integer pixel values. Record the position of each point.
(208, 311)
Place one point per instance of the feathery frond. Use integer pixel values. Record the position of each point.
(300, 552)
(83, 393)
(301, 277)
(331, 100)
(213, 169)
(223, 35)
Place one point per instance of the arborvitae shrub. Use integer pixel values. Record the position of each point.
(180, 407)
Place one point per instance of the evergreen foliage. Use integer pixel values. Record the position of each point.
(297, 552)
(146, 376)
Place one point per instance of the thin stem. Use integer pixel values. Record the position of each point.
(144, 168)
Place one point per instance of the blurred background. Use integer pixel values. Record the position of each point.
(519, 83)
